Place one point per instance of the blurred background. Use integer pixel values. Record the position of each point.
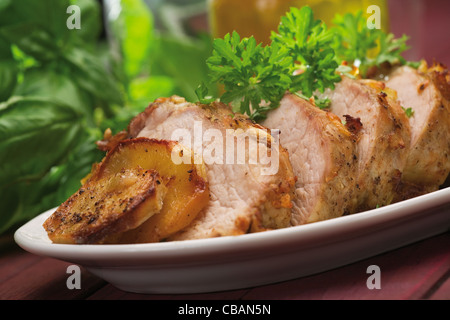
(61, 88)
(424, 21)
(427, 25)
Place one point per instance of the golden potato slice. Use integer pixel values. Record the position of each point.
(186, 182)
(108, 203)
(136, 194)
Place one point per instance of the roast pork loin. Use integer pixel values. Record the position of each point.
(383, 139)
(427, 93)
(323, 155)
(247, 192)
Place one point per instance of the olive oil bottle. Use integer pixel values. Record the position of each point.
(259, 17)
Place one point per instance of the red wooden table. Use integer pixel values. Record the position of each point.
(420, 271)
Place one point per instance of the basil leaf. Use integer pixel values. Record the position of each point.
(78, 165)
(89, 73)
(33, 41)
(34, 135)
(49, 83)
(49, 15)
(8, 71)
(38, 28)
(25, 199)
(91, 22)
(8, 78)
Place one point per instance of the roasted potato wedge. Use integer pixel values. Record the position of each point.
(112, 202)
(135, 182)
(186, 182)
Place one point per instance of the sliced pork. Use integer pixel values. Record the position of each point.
(383, 140)
(247, 191)
(427, 93)
(322, 154)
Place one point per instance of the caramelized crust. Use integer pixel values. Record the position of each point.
(242, 198)
(107, 204)
(427, 92)
(384, 138)
(186, 182)
(136, 194)
(322, 154)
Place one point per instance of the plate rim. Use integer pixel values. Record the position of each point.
(155, 251)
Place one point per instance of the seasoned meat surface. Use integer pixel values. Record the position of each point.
(383, 140)
(323, 155)
(247, 192)
(427, 93)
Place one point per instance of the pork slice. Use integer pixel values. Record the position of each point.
(427, 93)
(323, 155)
(383, 139)
(247, 191)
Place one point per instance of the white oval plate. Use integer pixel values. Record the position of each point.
(237, 262)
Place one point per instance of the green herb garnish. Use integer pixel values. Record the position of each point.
(409, 112)
(255, 78)
(308, 41)
(305, 57)
(414, 64)
(356, 44)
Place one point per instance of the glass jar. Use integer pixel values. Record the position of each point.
(260, 17)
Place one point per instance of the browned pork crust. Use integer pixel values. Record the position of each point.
(427, 93)
(383, 141)
(242, 199)
(323, 155)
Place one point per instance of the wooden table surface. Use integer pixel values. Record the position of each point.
(420, 271)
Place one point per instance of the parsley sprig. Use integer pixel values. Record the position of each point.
(309, 43)
(356, 44)
(305, 57)
(255, 78)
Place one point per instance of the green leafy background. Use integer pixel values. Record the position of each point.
(60, 89)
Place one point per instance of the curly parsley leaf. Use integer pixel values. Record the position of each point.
(202, 94)
(357, 44)
(391, 48)
(254, 77)
(309, 44)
